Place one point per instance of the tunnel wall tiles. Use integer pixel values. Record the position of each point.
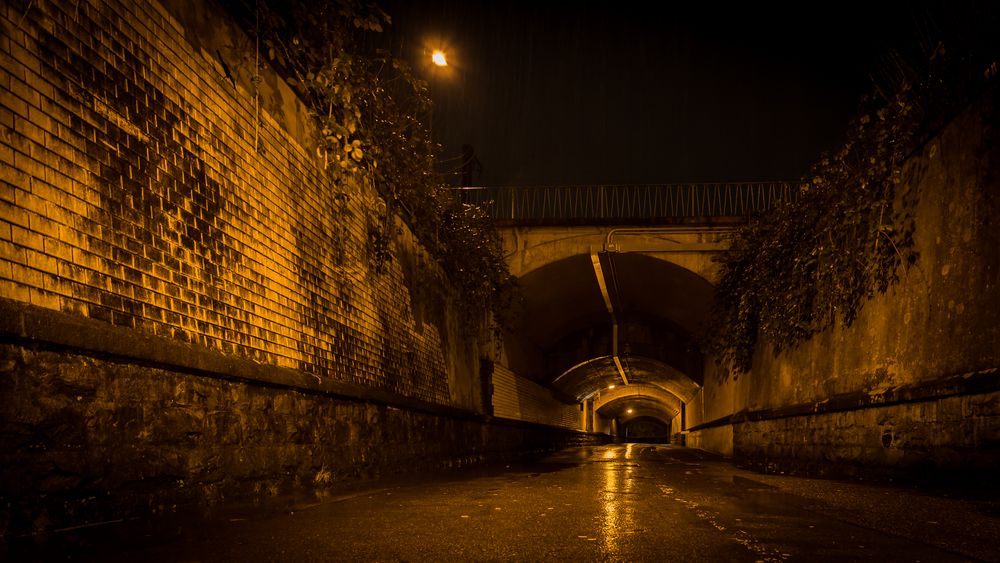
(90, 440)
(942, 320)
(518, 398)
(141, 186)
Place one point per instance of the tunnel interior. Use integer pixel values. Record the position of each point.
(646, 429)
(615, 329)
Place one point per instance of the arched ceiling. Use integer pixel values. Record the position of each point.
(637, 391)
(564, 296)
(639, 407)
(560, 298)
(641, 419)
(638, 398)
(640, 335)
(658, 288)
(564, 337)
(585, 379)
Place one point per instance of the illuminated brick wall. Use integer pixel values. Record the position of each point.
(150, 182)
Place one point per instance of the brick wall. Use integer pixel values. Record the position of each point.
(188, 312)
(151, 179)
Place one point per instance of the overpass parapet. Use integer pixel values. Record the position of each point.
(635, 204)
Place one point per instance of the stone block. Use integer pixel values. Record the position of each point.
(983, 405)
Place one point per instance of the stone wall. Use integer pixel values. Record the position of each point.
(952, 437)
(88, 439)
(188, 308)
(914, 381)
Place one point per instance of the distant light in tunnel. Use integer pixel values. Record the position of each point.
(612, 386)
(439, 59)
(629, 411)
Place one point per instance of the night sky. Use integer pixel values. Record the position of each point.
(554, 93)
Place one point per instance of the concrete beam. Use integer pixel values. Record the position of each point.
(692, 248)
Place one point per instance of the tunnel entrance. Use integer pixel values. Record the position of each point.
(613, 331)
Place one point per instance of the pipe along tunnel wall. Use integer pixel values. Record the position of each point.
(187, 308)
(912, 388)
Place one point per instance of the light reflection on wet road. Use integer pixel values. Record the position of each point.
(631, 502)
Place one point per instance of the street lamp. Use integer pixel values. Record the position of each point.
(439, 68)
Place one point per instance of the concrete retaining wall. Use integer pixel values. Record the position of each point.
(913, 382)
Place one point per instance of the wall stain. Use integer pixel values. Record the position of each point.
(160, 203)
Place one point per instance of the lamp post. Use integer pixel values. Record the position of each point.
(441, 70)
(440, 60)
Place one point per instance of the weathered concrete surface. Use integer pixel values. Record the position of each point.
(692, 248)
(615, 503)
(939, 324)
(916, 441)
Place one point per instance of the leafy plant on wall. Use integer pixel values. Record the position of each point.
(808, 264)
(368, 106)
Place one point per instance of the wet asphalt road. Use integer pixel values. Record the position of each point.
(630, 502)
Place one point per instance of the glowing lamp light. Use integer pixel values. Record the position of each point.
(611, 386)
(438, 58)
(629, 411)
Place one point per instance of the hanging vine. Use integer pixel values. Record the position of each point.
(368, 105)
(806, 265)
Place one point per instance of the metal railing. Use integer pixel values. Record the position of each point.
(628, 203)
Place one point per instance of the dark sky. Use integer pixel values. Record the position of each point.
(643, 92)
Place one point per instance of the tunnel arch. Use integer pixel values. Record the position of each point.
(594, 377)
(564, 298)
(618, 409)
(637, 392)
(624, 319)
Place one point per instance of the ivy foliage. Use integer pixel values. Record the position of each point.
(807, 264)
(369, 107)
